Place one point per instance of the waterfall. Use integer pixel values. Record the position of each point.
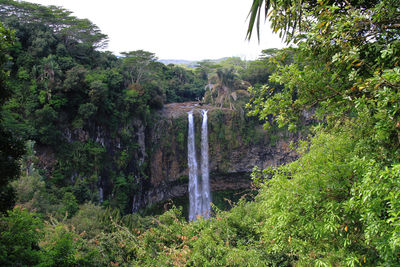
(101, 195)
(194, 192)
(205, 183)
(199, 194)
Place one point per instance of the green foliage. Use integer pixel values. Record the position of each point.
(11, 149)
(235, 63)
(306, 206)
(206, 68)
(70, 28)
(47, 131)
(63, 247)
(258, 72)
(136, 64)
(336, 61)
(30, 191)
(122, 189)
(87, 220)
(229, 239)
(7, 40)
(87, 110)
(27, 241)
(332, 205)
(70, 204)
(60, 248)
(183, 84)
(20, 234)
(170, 240)
(376, 198)
(335, 204)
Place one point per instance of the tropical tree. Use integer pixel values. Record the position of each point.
(136, 65)
(225, 88)
(71, 30)
(206, 68)
(235, 63)
(258, 71)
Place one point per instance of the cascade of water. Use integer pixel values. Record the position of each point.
(194, 192)
(199, 194)
(206, 196)
(101, 195)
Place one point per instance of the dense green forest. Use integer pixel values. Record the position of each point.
(337, 205)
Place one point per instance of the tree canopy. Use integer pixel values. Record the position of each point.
(11, 148)
(333, 205)
(69, 28)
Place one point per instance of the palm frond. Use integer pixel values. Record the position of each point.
(255, 15)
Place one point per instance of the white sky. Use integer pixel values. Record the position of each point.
(174, 29)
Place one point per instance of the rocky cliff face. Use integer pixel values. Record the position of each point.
(139, 164)
(236, 145)
(97, 163)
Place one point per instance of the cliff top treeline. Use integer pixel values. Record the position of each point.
(338, 204)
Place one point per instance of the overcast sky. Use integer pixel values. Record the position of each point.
(174, 29)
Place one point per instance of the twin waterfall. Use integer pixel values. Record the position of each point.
(199, 193)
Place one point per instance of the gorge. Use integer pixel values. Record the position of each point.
(236, 144)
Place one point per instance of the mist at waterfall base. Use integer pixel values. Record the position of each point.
(199, 192)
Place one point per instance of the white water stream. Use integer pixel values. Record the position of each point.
(205, 183)
(199, 193)
(194, 192)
